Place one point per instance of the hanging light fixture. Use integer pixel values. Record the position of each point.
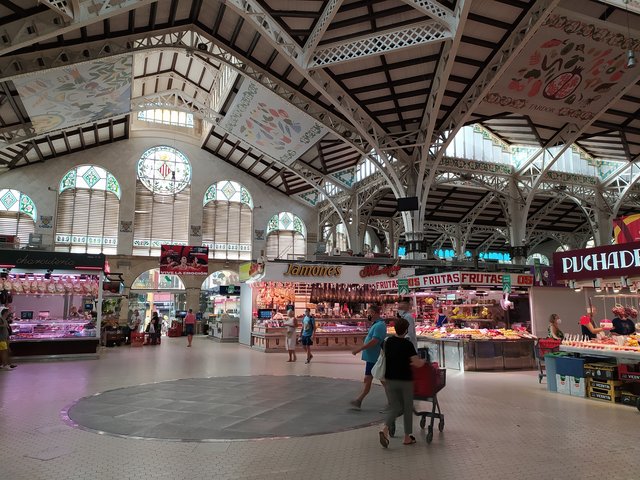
(631, 56)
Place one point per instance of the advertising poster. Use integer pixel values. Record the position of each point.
(184, 259)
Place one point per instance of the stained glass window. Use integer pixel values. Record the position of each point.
(88, 211)
(164, 170)
(227, 221)
(17, 215)
(163, 192)
(286, 236)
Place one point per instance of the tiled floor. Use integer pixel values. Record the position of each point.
(499, 426)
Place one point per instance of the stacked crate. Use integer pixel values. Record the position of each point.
(602, 382)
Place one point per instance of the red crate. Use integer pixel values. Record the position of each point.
(629, 373)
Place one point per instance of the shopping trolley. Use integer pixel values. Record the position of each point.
(428, 380)
(544, 346)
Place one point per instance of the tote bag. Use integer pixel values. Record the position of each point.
(380, 368)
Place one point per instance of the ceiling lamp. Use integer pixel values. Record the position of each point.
(631, 56)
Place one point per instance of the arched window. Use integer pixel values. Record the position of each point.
(286, 236)
(542, 259)
(227, 221)
(163, 190)
(221, 277)
(154, 280)
(17, 215)
(88, 211)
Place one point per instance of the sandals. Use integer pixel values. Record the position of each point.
(410, 442)
(384, 439)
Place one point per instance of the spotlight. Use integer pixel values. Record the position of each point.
(203, 47)
(631, 59)
(48, 274)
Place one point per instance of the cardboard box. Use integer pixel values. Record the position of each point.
(563, 384)
(577, 386)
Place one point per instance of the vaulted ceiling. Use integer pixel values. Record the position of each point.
(391, 75)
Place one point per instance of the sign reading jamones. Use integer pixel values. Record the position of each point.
(598, 262)
(451, 279)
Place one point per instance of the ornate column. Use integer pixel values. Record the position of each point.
(517, 223)
(604, 221)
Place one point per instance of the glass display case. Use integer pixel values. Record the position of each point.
(51, 329)
(268, 335)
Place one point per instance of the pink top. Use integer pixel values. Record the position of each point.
(190, 319)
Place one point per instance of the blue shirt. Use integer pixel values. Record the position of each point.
(308, 326)
(378, 331)
(442, 319)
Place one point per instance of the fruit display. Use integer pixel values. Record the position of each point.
(619, 343)
(473, 333)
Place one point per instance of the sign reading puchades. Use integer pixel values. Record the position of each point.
(35, 260)
(598, 262)
(456, 279)
(184, 259)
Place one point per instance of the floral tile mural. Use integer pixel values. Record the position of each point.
(78, 94)
(570, 68)
(270, 124)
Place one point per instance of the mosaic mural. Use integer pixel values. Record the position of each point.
(571, 68)
(270, 124)
(78, 94)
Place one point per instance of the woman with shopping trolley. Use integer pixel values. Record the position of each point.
(400, 356)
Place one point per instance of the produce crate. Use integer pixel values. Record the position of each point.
(601, 371)
(630, 373)
(605, 390)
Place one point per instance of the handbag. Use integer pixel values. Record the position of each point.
(379, 369)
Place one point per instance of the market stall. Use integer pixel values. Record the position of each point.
(337, 295)
(56, 301)
(603, 361)
(220, 304)
(488, 321)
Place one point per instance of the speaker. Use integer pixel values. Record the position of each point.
(408, 204)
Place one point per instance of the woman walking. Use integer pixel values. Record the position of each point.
(400, 356)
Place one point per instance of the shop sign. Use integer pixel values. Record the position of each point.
(297, 270)
(598, 262)
(506, 283)
(377, 270)
(51, 260)
(472, 279)
(403, 286)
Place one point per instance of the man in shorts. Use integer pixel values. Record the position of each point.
(306, 338)
(370, 350)
(190, 326)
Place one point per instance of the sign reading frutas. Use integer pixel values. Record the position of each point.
(297, 270)
(598, 262)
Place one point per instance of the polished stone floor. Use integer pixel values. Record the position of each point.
(499, 426)
(230, 408)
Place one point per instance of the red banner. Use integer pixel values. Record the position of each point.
(626, 229)
(182, 259)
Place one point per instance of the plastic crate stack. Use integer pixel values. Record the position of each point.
(603, 382)
(630, 378)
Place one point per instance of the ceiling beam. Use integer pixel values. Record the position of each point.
(320, 28)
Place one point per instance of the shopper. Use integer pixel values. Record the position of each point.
(370, 350)
(587, 327)
(400, 356)
(554, 331)
(190, 325)
(5, 364)
(404, 311)
(154, 328)
(306, 338)
(291, 324)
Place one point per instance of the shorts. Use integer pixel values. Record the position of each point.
(4, 345)
(306, 341)
(188, 328)
(368, 367)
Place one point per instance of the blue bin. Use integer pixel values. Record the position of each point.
(550, 362)
(570, 366)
